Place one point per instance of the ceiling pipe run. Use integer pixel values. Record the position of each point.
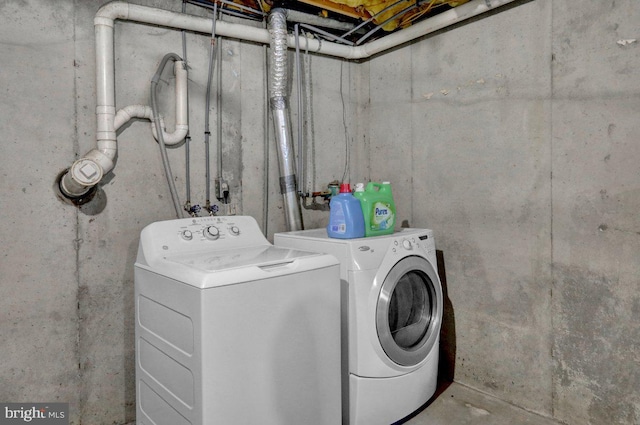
(131, 12)
(91, 168)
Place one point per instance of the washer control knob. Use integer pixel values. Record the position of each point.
(407, 245)
(186, 235)
(211, 232)
(235, 230)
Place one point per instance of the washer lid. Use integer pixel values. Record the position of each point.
(207, 269)
(218, 261)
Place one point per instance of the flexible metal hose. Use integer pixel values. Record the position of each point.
(278, 101)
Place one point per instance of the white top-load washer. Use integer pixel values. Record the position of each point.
(392, 320)
(232, 330)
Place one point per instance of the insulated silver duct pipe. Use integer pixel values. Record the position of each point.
(279, 108)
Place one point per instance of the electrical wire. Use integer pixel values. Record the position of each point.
(301, 169)
(407, 19)
(347, 155)
(219, 107)
(207, 133)
(328, 35)
(260, 13)
(265, 175)
(187, 139)
(310, 129)
(374, 17)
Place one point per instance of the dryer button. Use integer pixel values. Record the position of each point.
(407, 245)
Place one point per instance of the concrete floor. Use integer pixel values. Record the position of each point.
(460, 405)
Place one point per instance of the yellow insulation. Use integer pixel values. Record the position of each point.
(373, 7)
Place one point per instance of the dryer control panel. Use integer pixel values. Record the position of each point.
(423, 243)
(415, 242)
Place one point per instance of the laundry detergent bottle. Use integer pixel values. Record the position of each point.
(378, 208)
(346, 220)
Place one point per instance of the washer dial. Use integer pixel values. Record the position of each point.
(211, 232)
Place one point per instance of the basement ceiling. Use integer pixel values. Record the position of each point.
(350, 22)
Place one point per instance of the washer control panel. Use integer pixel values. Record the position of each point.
(214, 228)
(201, 233)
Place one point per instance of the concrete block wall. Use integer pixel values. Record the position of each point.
(596, 188)
(38, 274)
(518, 136)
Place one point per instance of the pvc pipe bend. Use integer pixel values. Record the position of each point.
(182, 123)
(110, 12)
(173, 138)
(127, 113)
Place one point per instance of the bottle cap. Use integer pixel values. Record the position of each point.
(359, 187)
(345, 188)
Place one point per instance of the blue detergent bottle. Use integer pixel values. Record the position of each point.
(346, 220)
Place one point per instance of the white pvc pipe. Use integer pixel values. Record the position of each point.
(127, 113)
(121, 10)
(105, 77)
(105, 82)
(182, 107)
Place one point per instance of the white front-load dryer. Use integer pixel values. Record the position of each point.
(391, 318)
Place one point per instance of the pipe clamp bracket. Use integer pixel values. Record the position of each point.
(288, 184)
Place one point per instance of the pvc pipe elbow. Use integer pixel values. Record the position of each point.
(110, 12)
(173, 138)
(108, 149)
(102, 157)
(127, 113)
(177, 136)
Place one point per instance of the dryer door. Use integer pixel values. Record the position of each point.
(409, 311)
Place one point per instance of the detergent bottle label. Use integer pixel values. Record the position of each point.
(337, 223)
(382, 216)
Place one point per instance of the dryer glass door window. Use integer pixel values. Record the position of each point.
(409, 311)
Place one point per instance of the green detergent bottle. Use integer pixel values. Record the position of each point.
(378, 208)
